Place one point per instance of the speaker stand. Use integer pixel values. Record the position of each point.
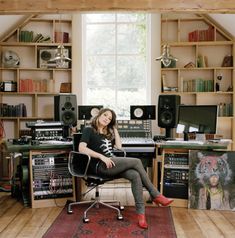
(66, 132)
(169, 132)
(186, 136)
(82, 126)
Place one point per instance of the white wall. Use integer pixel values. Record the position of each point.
(7, 22)
(225, 20)
(155, 66)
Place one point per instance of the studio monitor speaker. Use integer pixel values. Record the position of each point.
(168, 110)
(86, 112)
(143, 112)
(65, 109)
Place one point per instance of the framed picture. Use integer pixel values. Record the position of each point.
(212, 180)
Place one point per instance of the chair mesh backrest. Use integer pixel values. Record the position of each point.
(78, 161)
(76, 140)
(79, 164)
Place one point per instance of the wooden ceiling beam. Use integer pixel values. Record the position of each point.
(62, 6)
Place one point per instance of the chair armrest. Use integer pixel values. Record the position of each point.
(119, 152)
(78, 163)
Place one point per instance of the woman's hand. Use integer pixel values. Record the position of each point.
(108, 161)
(118, 143)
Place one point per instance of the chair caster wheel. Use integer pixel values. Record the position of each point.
(69, 211)
(86, 220)
(120, 217)
(121, 208)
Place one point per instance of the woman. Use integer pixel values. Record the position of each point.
(213, 196)
(98, 142)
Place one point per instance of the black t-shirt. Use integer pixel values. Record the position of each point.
(98, 143)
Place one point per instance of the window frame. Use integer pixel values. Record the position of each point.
(148, 60)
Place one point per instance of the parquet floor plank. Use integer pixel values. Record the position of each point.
(207, 226)
(185, 225)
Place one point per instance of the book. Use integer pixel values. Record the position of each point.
(37, 37)
(61, 37)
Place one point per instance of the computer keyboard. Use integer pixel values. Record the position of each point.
(182, 142)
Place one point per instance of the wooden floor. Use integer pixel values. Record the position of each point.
(19, 221)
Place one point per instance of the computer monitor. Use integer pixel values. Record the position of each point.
(86, 112)
(197, 119)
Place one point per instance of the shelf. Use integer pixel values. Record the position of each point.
(25, 118)
(197, 43)
(197, 68)
(37, 81)
(200, 85)
(36, 69)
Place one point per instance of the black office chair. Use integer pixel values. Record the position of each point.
(78, 165)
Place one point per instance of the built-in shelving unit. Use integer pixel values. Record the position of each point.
(204, 51)
(36, 81)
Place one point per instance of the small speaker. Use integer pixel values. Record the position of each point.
(65, 109)
(86, 112)
(168, 110)
(143, 112)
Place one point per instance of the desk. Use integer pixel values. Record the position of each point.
(174, 168)
(146, 154)
(23, 189)
(162, 147)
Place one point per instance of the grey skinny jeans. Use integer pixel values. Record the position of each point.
(131, 169)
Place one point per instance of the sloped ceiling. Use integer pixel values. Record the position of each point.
(225, 20)
(8, 21)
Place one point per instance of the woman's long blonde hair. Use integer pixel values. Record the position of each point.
(95, 124)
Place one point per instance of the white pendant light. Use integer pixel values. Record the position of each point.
(60, 57)
(166, 58)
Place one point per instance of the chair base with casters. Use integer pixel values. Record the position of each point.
(78, 166)
(96, 203)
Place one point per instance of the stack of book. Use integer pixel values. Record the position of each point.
(202, 35)
(40, 38)
(198, 85)
(30, 85)
(61, 37)
(225, 110)
(29, 36)
(7, 110)
(202, 61)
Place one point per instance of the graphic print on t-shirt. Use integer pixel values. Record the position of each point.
(107, 147)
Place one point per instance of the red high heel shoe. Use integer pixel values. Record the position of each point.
(142, 221)
(160, 199)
